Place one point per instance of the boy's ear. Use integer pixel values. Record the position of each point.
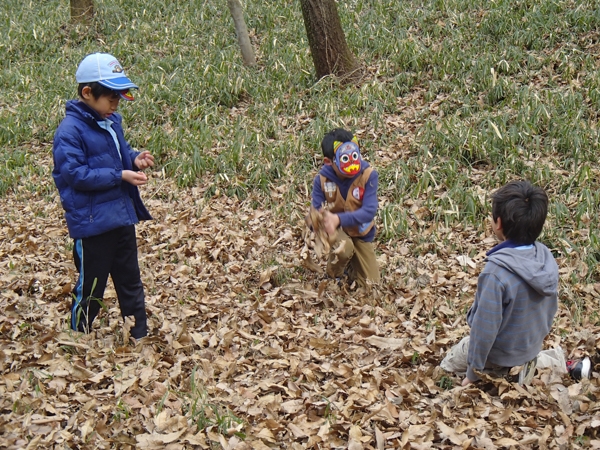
(327, 161)
(499, 223)
(86, 92)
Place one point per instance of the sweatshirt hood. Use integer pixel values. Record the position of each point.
(535, 265)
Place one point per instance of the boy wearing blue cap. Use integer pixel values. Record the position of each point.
(97, 174)
(345, 190)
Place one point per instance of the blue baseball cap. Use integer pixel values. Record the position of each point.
(106, 70)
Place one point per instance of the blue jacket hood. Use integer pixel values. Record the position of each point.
(329, 173)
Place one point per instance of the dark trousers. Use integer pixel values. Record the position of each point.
(114, 253)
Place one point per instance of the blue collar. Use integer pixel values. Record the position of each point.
(507, 244)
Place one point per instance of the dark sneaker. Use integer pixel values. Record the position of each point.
(579, 368)
(527, 372)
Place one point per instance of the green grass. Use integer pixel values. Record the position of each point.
(204, 413)
(494, 91)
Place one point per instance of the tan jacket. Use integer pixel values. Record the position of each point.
(337, 203)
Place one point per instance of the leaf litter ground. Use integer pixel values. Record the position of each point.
(252, 346)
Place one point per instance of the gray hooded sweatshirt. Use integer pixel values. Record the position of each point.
(514, 306)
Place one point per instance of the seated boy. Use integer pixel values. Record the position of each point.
(345, 190)
(516, 297)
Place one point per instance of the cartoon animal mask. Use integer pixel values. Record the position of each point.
(347, 157)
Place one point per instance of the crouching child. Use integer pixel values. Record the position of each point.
(516, 298)
(345, 191)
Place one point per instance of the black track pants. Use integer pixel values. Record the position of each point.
(114, 253)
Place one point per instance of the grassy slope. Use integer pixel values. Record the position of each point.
(458, 97)
(452, 87)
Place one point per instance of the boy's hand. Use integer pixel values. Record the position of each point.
(144, 160)
(466, 381)
(135, 178)
(331, 222)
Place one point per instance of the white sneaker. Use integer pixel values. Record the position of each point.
(527, 372)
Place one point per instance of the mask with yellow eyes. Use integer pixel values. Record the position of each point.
(347, 157)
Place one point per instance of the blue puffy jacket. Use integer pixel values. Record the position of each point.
(87, 172)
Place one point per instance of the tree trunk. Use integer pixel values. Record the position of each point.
(242, 32)
(330, 52)
(82, 10)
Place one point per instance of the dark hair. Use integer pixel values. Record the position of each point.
(522, 208)
(97, 89)
(339, 134)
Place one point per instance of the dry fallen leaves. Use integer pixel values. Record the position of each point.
(238, 327)
(322, 239)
